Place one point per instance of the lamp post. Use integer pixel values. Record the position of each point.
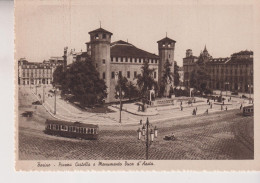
(54, 112)
(120, 94)
(43, 94)
(35, 89)
(250, 86)
(146, 133)
(226, 84)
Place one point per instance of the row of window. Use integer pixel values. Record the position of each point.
(72, 129)
(35, 67)
(36, 75)
(132, 60)
(37, 70)
(103, 36)
(230, 71)
(128, 74)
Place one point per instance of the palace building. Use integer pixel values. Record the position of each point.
(124, 59)
(233, 73)
(34, 73)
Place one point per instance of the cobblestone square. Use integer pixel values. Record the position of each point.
(223, 135)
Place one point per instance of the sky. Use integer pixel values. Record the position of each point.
(44, 28)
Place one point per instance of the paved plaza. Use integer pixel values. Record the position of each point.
(68, 112)
(218, 135)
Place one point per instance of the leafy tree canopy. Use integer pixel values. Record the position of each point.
(200, 77)
(167, 77)
(145, 80)
(82, 80)
(176, 75)
(128, 87)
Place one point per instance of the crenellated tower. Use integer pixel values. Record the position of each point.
(99, 45)
(166, 48)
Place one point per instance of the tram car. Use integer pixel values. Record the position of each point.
(71, 129)
(248, 110)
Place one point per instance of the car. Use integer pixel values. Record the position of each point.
(37, 103)
(169, 137)
(27, 114)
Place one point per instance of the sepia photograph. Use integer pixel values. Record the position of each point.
(140, 85)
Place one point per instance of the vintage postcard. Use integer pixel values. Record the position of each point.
(136, 85)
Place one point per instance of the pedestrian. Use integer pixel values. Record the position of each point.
(226, 108)
(241, 106)
(181, 108)
(141, 122)
(193, 112)
(207, 111)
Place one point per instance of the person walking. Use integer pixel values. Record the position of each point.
(181, 108)
(226, 108)
(241, 107)
(141, 122)
(207, 111)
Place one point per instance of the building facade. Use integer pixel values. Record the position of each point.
(31, 73)
(34, 73)
(125, 59)
(233, 73)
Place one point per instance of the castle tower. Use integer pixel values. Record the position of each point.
(100, 40)
(188, 53)
(166, 52)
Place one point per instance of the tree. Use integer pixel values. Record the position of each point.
(132, 91)
(127, 87)
(122, 82)
(82, 80)
(145, 81)
(176, 75)
(166, 78)
(58, 75)
(199, 77)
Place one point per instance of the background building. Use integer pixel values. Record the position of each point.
(32, 73)
(233, 73)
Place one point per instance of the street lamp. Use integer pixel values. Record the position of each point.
(120, 93)
(250, 86)
(226, 84)
(54, 112)
(43, 94)
(146, 133)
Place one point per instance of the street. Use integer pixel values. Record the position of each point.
(218, 135)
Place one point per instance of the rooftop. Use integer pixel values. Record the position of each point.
(124, 49)
(100, 30)
(166, 39)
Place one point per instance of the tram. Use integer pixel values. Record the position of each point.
(71, 129)
(248, 110)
